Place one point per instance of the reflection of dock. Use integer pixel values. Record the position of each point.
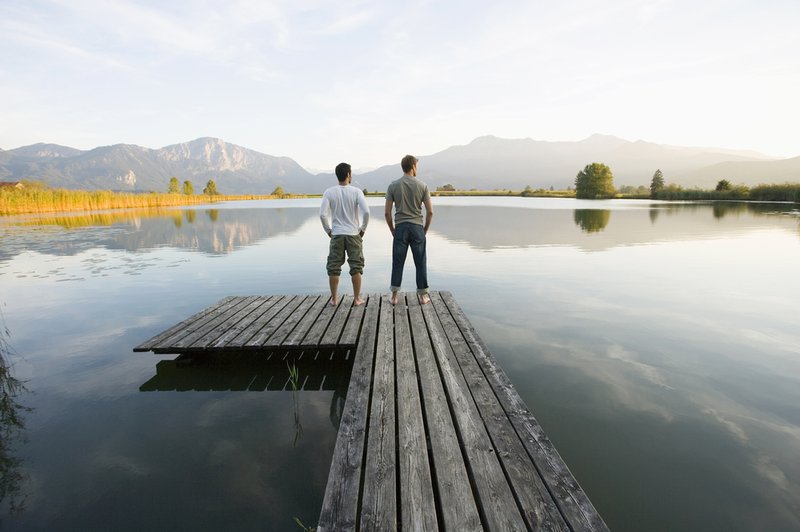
(433, 434)
(316, 370)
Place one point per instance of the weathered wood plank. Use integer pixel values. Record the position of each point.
(324, 321)
(248, 334)
(261, 305)
(209, 325)
(286, 328)
(341, 501)
(570, 497)
(538, 508)
(296, 337)
(418, 508)
(260, 338)
(457, 505)
(379, 500)
(331, 336)
(351, 328)
(495, 499)
(195, 320)
(225, 322)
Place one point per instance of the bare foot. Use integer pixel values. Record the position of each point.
(424, 299)
(334, 300)
(394, 299)
(357, 301)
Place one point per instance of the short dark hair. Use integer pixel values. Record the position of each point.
(408, 163)
(342, 169)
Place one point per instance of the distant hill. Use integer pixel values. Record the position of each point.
(485, 163)
(743, 172)
(491, 162)
(127, 167)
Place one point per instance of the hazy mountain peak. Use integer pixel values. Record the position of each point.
(599, 138)
(45, 150)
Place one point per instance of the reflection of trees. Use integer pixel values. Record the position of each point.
(720, 210)
(653, 215)
(12, 425)
(221, 231)
(592, 220)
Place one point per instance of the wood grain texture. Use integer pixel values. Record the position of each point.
(340, 505)
(418, 508)
(572, 501)
(379, 500)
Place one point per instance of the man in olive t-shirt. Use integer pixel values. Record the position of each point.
(407, 195)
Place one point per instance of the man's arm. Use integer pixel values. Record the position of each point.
(387, 213)
(324, 214)
(428, 213)
(364, 209)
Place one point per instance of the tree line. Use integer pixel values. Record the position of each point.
(596, 181)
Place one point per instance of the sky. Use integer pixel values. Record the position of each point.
(368, 81)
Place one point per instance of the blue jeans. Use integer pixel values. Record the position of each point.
(405, 235)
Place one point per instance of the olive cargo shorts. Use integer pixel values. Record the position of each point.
(352, 244)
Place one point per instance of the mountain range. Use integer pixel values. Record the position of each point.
(485, 163)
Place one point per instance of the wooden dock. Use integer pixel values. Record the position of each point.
(433, 435)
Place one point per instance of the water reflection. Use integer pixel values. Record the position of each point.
(592, 220)
(12, 428)
(297, 372)
(490, 227)
(220, 231)
(677, 359)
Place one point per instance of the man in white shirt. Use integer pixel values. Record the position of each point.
(344, 215)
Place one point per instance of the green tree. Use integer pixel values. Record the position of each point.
(211, 188)
(594, 181)
(188, 188)
(279, 192)
(527, 192)
(723, 185)
(174, 186)
(657, 184)
(446, 188)
(365, 191)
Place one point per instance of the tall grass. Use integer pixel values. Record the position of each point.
(785, 192)
(40, 200)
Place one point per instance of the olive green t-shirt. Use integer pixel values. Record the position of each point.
(408, 193)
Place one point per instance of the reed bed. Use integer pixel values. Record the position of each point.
(36, 201)
(785, 192)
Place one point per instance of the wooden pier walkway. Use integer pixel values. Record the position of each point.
(433, 435)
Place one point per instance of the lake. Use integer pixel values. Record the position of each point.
(658, 344)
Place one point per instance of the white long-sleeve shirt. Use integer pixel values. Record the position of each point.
(344, 210)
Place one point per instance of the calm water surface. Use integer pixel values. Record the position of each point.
(658, 344)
